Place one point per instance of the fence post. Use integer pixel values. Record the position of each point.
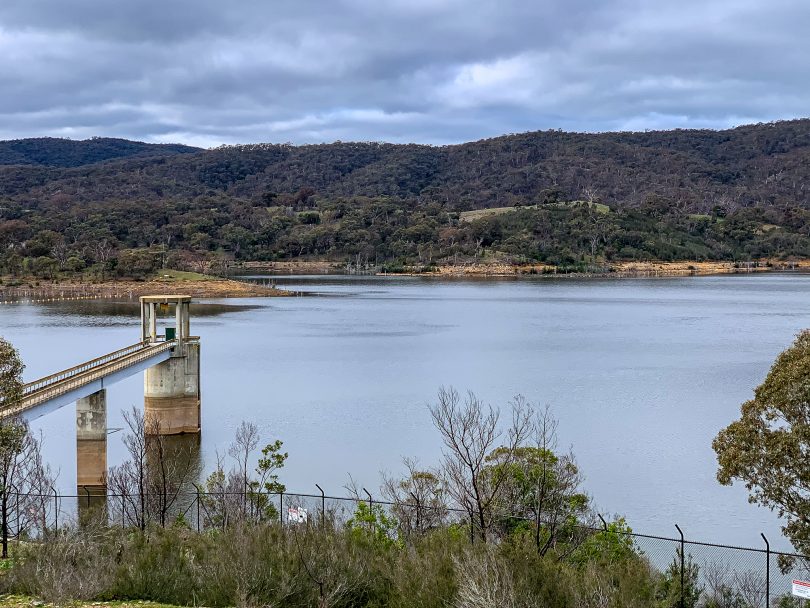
(767, 571)
(17, 511)
(472, 531)
(123, 508)
(323, 506)
(604, 523)
(55, 510)
(198, 508)
(281, 507)
(681, 603)
(370, 508)
(417, 511)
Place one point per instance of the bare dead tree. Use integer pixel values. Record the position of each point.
(243, 446)
(25, 482)
(240, 494)
(470, 431)
(222, 499)
(150, 482)
(555, 495)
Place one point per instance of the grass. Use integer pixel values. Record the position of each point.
(24, 601)
(469, 216)
(181, 275)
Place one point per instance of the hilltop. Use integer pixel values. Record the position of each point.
(66, 153)
(754, 164)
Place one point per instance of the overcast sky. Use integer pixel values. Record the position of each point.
(207, 72)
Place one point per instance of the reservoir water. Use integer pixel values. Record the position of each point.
(641, 374)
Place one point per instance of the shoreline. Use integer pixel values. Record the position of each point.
(40, 290)
(56, 290)
(502, 269)
(620, 270)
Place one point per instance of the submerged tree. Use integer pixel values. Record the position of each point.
(767, 448)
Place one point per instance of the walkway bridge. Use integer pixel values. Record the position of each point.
(52, 392)
(171, 387)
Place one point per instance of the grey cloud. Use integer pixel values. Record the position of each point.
(435, 71)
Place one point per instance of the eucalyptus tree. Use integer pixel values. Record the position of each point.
(767, 448)
(25, 481)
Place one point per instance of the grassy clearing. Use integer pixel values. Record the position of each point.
(601, 208)
(477, 214)
(182, 275)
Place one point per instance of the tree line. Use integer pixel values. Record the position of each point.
(135, 239)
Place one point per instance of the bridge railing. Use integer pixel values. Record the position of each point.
(36, 385)
(81, 375)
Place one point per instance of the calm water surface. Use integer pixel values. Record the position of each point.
(642, 374)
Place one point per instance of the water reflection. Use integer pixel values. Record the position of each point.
(130, 309)
(174, 470)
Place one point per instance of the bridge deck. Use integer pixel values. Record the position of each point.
(53, 387)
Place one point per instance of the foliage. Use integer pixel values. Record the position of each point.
(767, 447)
(236, 496)
(615, 543)
(371, 522)
(267, 564)
(11, 369)
(669, 589)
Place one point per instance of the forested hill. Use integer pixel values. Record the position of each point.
(694, 169)
(567, 199)
(55, 152)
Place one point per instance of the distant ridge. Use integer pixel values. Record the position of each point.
(66, 153)
(762, 164)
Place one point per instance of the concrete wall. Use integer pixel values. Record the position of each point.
(172, 392)
(91, 441)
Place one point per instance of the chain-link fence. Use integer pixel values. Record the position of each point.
(701, 573)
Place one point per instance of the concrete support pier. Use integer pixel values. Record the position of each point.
(172, 388)
(91, 443)
(172, 392)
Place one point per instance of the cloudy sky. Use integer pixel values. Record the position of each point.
(207, 72)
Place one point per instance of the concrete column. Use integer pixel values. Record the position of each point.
(172, 392)
(186, 323)
(144, 325)
(178, 321)
(91, 443)
(152, 321)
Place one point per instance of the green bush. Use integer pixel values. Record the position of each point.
(307, 565)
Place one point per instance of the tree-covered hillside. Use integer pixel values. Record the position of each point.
(55, 152)
(697, 170)
(567, 199)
